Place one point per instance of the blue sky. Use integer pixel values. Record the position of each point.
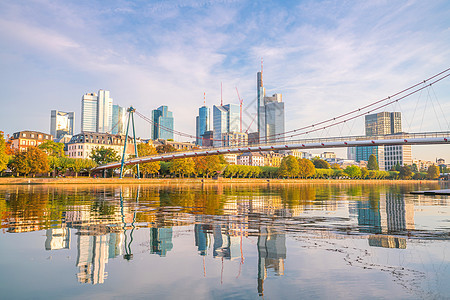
(325, 57)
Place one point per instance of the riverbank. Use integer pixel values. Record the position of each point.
(188, 181)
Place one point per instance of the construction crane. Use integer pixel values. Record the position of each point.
(240, 102)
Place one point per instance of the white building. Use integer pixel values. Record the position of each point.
(96, 112)
(230, 158)
(89, 112)
(118, 120)
(104, 112)
(251, 159)
(397, 154)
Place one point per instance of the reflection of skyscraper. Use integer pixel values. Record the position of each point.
(161, 240)
(201, 238)
(57, 238)
(93, 254)
(225, 245)
(271, 254)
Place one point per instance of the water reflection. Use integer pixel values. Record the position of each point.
(221, 218)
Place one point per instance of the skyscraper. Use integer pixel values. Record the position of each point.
(89, 112)
(384, 123)
(202, 123)
(61, 123)
(118, 120)
(226, 119)
(162, 127)
(104, 112)
(270, 113)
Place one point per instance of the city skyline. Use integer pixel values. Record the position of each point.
(317, 55)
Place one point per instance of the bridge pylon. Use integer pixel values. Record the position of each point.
(130, 112)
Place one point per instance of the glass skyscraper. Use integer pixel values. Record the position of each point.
(202, 123)
(118, 120)
(162, 127)
(96, 112)
(61, 123)
(89, 112)
(104, 112)
(226, 119)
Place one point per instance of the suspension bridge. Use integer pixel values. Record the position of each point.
(290, 140)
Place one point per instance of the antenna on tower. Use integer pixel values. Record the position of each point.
(221, 101)
(204, 98)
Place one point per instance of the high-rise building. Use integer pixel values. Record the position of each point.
(118, 120)
(162, 127)
(104, 112)
(385, 123)
(89, 104)
(61, 123)
(226, 118)
(202, 123)
(270, 114)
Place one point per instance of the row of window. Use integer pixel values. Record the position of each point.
(30, 143)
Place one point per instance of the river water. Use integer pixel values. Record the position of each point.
(225, 241)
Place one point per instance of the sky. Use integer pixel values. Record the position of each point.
(325, 57)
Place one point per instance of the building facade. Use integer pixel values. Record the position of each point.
(81, 145)
(89, 104)
(231, 139)
(251, 159)
(61, 123)
(104, 112)
(226, 118)
(118, 120)
(271, 122)
(202, 123)
(22, 140)
(162, 127)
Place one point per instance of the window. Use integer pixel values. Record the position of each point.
(24, 134)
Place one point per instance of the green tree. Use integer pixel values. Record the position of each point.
(52, 148)
(373, 163)
(3, 156)
(33, 161)
(320, 163)
(102, 155)
(353, 171)
(82, 164)
(433, 172)
(336, 166)
(293, 166)
(306, 168)
(405, 172)
(165, 148)
(364, 173)
(145, 149)
(183, 166)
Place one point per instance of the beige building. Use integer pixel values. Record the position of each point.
(230, 158)
(251, 159)
(272, 159)
(22, 140)
(81, 145)
(234, 139)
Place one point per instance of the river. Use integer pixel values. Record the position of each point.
(224, 241)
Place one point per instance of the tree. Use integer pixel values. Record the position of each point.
(306, 168)
(283, 169)
(82, 164)
(207, 165)
(353, 171)
(52, 148)
(405, 172)
(336, 166)
(32, 161)
(364, 173)
(102, 155)
(165, 148)
(183, 166)
(145, 149)
(3, 156)
(320, 163)
(373, 163)
(433, 172)
(292, 165)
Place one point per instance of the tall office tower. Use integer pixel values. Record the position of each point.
(226, 119)
(202, 123)
(162, 127)
(118, 120)
(104, 112)
(61, 123)
(385, 123)
(270, 113)
(89, 112)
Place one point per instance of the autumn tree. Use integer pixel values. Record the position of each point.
(52, 148)
(433, 172)
(165, 148)
(283, 169)
(372, 163)
(145, 149)
(353, 171)
(182, 166)
(82, 164)
(3, 156)
(405, 172)
(207, 165)
(306, 168)
(33, 161)
(320, 163)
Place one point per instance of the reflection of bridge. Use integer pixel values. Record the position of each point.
(429, 138)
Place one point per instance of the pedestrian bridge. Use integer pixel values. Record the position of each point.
(428, 138)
